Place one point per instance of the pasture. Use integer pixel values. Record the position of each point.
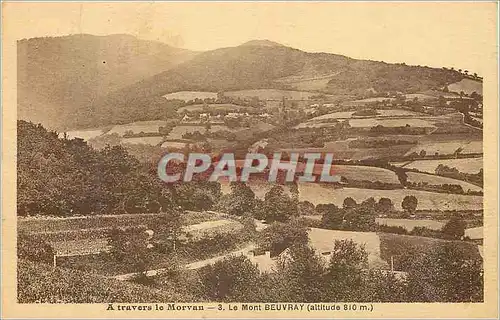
(211, 108)
(138, 127)
(361, 173)
(438, 147)
(323, 241)
(467, 165)
(403, 248)
(373, 122)
(468, 86)
(190, 95)
(178, 131)
(380, 113)
(82, 134)
(152, 141)
(430, 179)
(324, 194)
(409, 224)
(174, 145)
(271, 94)
(366, 101)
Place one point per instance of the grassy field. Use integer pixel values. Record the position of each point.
(212, 107)
(180, 130)
(404, 248)
(468, 165)
(152, 141)
(361, 173)
(320, 193)
(137, 127)
(380, 113)
(409, 224)
(366, 101)
(50, 224)
(83, 134)
(271, 94)
(38, 283)
(430, 179)
(473, 147)
(441, 148)
(173, 145)
(323, 240)
(467, 86)
(372, 122)
(190, 95)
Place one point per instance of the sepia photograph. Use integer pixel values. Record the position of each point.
(312, 159)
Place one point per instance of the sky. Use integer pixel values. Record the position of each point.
(460, 35)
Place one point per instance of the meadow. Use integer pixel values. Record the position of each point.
(137, 127)
(190, 95)
(152, 141)
(320, 193)
(82, 134)
(430, 179)
(271, 94)
(467, 165)
(409, 224)
(468, 86)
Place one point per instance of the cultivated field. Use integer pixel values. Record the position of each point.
(415, 177)
(271, 94)
(468, 165)
(190, 95)
(320, 193)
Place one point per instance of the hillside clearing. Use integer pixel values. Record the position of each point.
(190, 95)
(271, 94)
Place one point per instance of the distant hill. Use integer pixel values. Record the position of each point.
(254, 65)
(58, 75)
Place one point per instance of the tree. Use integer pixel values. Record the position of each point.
(333, 217)
(278, 206)
(385, 205)
(300, 275)
(231, 279)
(130, 248)
(409, 204)
(279, 236)
(349, 203)
(455, 228)
(34, 248)
(344, 275)
(452, 272)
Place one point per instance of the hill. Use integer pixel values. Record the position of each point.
(59, 77)
(79, 102)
